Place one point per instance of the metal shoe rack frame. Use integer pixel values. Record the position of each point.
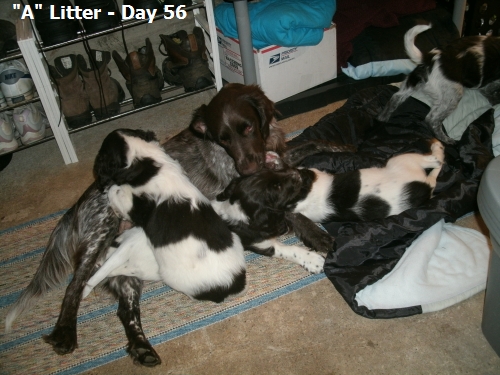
(47, 93)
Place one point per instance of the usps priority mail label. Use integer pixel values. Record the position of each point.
(279, 58)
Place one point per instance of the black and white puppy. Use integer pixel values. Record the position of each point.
(471, 62)
(180, 239)
(260, 236)
(365, 194)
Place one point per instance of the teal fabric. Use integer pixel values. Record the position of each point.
(287, 23)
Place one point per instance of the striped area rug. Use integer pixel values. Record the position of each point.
(166, 314)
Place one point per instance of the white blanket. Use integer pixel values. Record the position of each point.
(444, 266)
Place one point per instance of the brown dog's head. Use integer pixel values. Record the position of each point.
(238, 118)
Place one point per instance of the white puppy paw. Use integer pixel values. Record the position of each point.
(313, 262)
(433, 162)
(437, 150)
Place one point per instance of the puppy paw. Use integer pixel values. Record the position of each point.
(433, 162)
(86, 291)
(321, 241)
(437, 150)
(313, 262)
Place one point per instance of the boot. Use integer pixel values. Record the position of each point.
(143, 79)
(187, 62)
(105, 93)
(74, 100)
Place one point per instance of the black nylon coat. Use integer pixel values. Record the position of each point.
(366, 251)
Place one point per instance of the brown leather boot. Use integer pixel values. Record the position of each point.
(74, 100)
(187, 62)
(105, 93)
(143, 79)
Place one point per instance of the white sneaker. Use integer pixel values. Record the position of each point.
(30, 122)
(3, 102)
(15, 82)
(8, 140)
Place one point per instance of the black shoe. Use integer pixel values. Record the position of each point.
(104, 21)
(54, 31)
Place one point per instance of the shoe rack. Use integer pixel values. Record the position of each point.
(33, 54)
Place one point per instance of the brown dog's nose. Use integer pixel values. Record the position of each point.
(248, 168)
(250, 164)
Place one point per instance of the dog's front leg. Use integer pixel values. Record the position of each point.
(128, 291)
(294, 155)
(309, 233)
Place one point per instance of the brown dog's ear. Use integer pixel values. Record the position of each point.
(264, 107)
(198, 124)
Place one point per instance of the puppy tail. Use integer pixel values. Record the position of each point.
(53, 270)
(411, 50)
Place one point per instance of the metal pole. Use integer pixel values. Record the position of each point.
(245, 38)
(458, 14)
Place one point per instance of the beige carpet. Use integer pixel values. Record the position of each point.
(309, 331)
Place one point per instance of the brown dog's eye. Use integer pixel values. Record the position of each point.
(248, 129)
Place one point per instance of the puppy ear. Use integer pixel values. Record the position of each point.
(138, 173)
(148, 136)
(198, 124)
(106, 164)
(264, 107)
(109, 159)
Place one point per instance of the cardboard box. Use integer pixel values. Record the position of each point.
(283, 71)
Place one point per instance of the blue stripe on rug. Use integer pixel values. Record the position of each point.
(32, 222)
(88, 316)
(10, 298)
(209, 320)
(22, 257)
